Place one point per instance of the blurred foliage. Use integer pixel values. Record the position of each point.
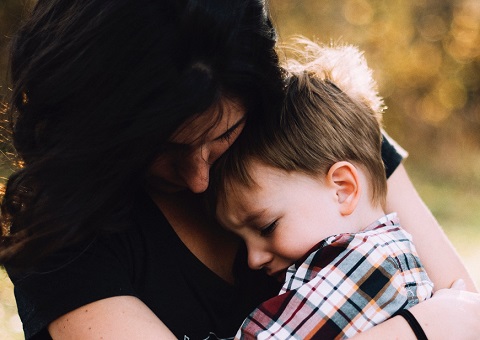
(426, 58)
(425, 53)
(11, 12)
(10, 17)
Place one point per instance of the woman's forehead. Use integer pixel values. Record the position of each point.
(211, 124)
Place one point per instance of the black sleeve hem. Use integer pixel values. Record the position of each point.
(390, 156)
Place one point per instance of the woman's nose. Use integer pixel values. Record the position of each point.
(195, 172)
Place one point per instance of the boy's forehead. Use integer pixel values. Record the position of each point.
(246, 202)
(242, 193)
(238, 202)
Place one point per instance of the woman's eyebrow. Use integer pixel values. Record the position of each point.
(232, 128)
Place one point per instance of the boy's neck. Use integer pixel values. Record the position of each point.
(367, 215)
(362, 217)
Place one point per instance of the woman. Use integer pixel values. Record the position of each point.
(120, 107)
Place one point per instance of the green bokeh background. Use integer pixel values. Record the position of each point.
(426, 59)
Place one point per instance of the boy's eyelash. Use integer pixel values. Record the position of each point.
(268, 229)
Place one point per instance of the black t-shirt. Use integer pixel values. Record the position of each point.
(148, 261)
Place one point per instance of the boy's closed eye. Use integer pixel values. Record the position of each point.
(268, 229)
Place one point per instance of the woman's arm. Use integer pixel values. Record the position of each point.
(449, 314)
(121, 317)
(436, 252)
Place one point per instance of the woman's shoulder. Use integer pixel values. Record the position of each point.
(109, 265)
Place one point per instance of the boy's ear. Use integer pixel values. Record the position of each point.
(345, 179)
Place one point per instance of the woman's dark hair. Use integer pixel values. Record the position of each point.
(98, 87)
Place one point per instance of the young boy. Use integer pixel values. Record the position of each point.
(320, 173)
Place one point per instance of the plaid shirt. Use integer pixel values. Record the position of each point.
(345, 285)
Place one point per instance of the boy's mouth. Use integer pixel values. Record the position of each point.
(279, 275)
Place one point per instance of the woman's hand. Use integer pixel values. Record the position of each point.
(450, 314)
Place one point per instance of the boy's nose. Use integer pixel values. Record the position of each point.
(257, 258)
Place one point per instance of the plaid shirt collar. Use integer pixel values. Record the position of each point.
(307, 268)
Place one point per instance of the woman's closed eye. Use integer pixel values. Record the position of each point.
(226, 136)
(233, 129)
(269, 229)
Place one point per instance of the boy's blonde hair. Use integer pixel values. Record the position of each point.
(332, 113)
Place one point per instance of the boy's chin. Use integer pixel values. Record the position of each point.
(280, 275)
